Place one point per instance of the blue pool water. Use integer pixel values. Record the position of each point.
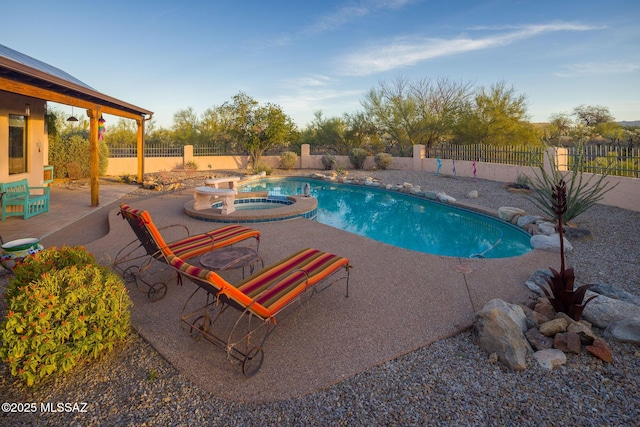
(403, 220)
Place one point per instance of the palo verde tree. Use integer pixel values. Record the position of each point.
(258, 127)
(497, 116)
(421, 112)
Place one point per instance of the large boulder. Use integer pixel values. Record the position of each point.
(603, 311)
(550, 243)
(514, 311)
(507, 213)
(627, 330)
(495, 332)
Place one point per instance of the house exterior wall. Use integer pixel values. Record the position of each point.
(37, 142)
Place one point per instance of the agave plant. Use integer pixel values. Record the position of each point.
(563, 297)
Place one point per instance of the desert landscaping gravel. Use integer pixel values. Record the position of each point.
(450, 382)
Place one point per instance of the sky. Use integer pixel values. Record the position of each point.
(309, 56)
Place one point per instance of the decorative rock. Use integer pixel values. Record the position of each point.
(616, 293)
(547, 228)
(567, 342)
(495, 332)
(432, 195)
(537, 340)
(546, 309)
(537, 318)
(537, 279)
(527, 219)
(515, 219)
(493, 358)
(550, 243)
(506, 213)
(550, 358)
(415, 190)
(601, 350)
(532, 229)
(627, 330)
(473, 194)
(584, 332)
(445, 198)
(554, 326)
(514, 311)
(603, 310)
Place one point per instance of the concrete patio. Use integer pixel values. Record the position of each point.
(399, 299)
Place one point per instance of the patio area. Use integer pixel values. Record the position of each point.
(399, 300)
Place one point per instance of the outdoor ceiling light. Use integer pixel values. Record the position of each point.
(72, 118)
(27, 110)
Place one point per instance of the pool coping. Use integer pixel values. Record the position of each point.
(301, 207)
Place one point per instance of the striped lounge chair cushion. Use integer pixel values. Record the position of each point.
(275, 286)
(201, 243)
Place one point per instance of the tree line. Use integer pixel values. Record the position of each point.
(395, 115)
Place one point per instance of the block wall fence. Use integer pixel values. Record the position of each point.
(625, 195)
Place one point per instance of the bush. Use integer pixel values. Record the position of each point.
(75, 148)
(32, 268)
(288, 160)
(328, 161)
(357, 156)
(65, 317)
(383, 160)
(262, 167)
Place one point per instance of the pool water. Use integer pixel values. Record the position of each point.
(405, 221)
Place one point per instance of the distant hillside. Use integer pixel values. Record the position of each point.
(629, 124)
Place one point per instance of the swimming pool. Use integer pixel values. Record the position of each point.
(405, 221)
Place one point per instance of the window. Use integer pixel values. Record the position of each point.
(17, 144)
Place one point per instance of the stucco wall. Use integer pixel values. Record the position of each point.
(624, 195)
(37, 150)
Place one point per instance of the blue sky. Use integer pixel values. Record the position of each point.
(325, 55)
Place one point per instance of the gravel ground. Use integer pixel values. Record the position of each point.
(449, 382)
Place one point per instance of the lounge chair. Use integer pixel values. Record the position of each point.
(135, 259)
(258, 298)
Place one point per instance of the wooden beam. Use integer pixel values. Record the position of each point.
(140, 144)
(94, 157)
(49, 95)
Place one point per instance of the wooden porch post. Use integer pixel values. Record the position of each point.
(94, 156)
(140, 145)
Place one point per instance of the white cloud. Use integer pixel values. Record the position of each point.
(597, 69)
(351, 12)
(402, 52)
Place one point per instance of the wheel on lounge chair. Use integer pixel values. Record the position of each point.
(252, 362)
(130, 274)
(157, 291)
(199, 327)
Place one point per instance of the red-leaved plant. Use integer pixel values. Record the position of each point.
(563, 297)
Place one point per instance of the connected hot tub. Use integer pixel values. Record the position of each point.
(257, 207)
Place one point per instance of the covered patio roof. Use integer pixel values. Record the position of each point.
(24, 75)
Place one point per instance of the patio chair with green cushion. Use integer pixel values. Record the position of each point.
(149, 244)
(256, 300)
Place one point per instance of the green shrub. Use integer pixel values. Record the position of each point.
(262, 167)
(32, 268)
(74, 147)
(288, 160)
(66, 317)
(191, 165)
(383, 160)
(357, 156)
(328, 161)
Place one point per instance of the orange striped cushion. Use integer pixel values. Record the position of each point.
(275, 286)
(191, 246)
(201, 243)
